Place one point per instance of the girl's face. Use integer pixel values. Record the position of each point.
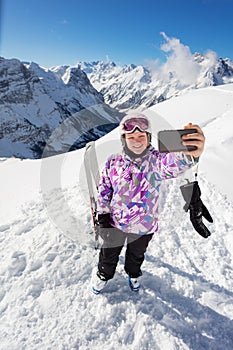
(137, 141)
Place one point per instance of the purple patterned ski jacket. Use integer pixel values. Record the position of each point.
(129, 188)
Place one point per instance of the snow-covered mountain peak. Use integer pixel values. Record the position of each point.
(35, 101)
(89, 67)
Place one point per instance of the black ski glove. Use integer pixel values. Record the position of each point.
(104, 226)
(192, 195)
(104, 220)
(112, 236)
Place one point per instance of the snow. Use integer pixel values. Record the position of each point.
(47, 254)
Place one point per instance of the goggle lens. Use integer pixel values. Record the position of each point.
(134, 123)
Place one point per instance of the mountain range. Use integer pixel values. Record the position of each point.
(64, 107)
(132, 87)
(40, 106)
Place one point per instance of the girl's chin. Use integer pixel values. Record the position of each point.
(138, 150)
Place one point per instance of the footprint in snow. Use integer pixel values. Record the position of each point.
(18, 264)
(35, 288)
(23, 229)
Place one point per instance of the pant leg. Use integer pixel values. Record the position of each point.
(135, 253)
(110, 252)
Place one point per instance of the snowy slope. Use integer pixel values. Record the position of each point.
(47, 252)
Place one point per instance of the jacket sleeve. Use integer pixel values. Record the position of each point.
(170, 165)
(105, 191)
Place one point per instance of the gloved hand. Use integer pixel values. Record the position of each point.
(112, 236)
(192, 195)
(104, 225)
(104, 220)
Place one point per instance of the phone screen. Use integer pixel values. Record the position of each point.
(171, 141)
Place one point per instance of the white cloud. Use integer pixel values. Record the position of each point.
(180, 62)
(211, 58)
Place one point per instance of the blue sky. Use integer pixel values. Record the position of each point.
(56, 32)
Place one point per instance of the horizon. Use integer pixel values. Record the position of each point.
(50, 34)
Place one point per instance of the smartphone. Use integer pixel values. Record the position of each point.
(171, 141)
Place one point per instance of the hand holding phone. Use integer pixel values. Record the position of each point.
(171, 140)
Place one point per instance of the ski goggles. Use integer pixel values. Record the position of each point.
(135, 123)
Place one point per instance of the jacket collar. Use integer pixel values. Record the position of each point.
(138, 158)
